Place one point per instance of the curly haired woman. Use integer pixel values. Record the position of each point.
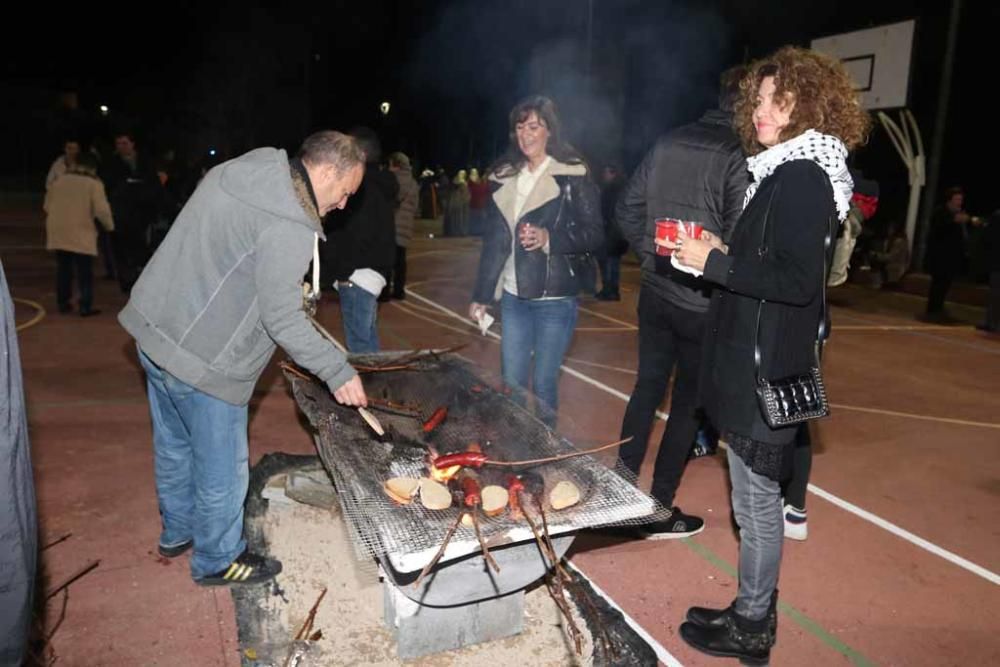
(798, 116)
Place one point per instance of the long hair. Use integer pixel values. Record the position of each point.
(513, 160)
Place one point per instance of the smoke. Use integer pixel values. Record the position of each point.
(647, 67)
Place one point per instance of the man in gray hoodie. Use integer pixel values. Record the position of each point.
(223, 289)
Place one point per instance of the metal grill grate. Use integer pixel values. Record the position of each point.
(477, 412)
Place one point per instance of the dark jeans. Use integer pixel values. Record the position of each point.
(610, 273)
(66, 263)
(940, 284)
(668, 336)
(106, 251)
(131, 255)
(399, 273)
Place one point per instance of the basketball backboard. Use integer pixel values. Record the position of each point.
(878, 60)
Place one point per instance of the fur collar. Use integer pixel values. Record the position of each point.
(545, 190)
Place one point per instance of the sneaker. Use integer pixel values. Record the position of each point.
(175, 550)
(796, 527)
(248, 568)
(677, 526)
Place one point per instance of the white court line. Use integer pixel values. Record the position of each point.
(978, 570)
(661, 652)
(609, 319)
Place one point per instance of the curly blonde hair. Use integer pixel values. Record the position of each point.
(819, 86)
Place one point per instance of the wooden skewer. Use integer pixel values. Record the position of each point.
(440, 552)
(560, 457)
(482, 544)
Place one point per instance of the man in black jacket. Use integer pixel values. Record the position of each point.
(694, 173)
(360, 248)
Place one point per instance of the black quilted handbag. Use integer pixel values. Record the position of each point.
(795, 398)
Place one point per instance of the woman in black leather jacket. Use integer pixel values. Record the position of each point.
(798, 116)
(542, 216)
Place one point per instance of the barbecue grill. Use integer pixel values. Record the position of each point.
(462, 601)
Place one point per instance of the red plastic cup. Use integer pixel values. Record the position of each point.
(666, 230)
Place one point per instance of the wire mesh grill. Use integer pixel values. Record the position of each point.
(478, 411)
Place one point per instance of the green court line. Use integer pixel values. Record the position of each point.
(800, 619)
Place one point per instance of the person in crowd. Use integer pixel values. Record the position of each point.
(224, 288)
(991, 237)
(134, 191)
(542, 216)
(406, 209)
(456, 211)
(946, 252)
(360, 248)
(479, 192)
(615, 245)
(696, 172)
(864, 204)
(798, 116)
(72, 203)
(63, 163)
(18, 509)
(892, 259)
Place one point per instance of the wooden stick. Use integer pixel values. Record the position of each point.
(560, 457)
(371, 421)
(57, 541)
(326, 334)
(486, 551)
(399, 408)
(419, 354)
(310, 619)
(79, 573)
(294, 370)
(382, 369)
(440, 552)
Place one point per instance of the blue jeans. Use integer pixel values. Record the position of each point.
(201, 464)
(757, 507)
(359, 312)
(542, 328)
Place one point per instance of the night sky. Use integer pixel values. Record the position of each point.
(196, 76)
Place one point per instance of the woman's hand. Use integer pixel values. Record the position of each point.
(694, 252)
(476, 311)
(714, 241)
(533, 238)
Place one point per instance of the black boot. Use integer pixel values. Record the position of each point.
(707, 617)
(737, 637)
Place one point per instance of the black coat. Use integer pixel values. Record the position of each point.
(363, 235)
(698, 173)
(797, 201)
(566, 203)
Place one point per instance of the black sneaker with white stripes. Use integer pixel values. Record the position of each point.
(676, 526)
(248, 568)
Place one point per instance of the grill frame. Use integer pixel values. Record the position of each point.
(409, 536)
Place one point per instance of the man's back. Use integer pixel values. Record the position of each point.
(696, 172)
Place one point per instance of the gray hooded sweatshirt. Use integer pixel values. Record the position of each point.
(225, 286)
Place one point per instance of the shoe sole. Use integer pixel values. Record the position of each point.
(174, 552)
(756, 662)
(670, 536)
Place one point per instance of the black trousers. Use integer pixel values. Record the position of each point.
(399, 273)
(940, 284)
(68, 263)
(669, 337)
(799, 467)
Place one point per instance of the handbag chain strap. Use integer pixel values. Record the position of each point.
(821, 332)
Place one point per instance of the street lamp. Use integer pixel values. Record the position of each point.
(384, 108)
(104, 110)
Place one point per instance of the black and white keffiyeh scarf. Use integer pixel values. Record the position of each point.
(826, 151)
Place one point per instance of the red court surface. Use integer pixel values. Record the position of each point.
(901, 563)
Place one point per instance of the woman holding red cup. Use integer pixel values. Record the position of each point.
(798, 116)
